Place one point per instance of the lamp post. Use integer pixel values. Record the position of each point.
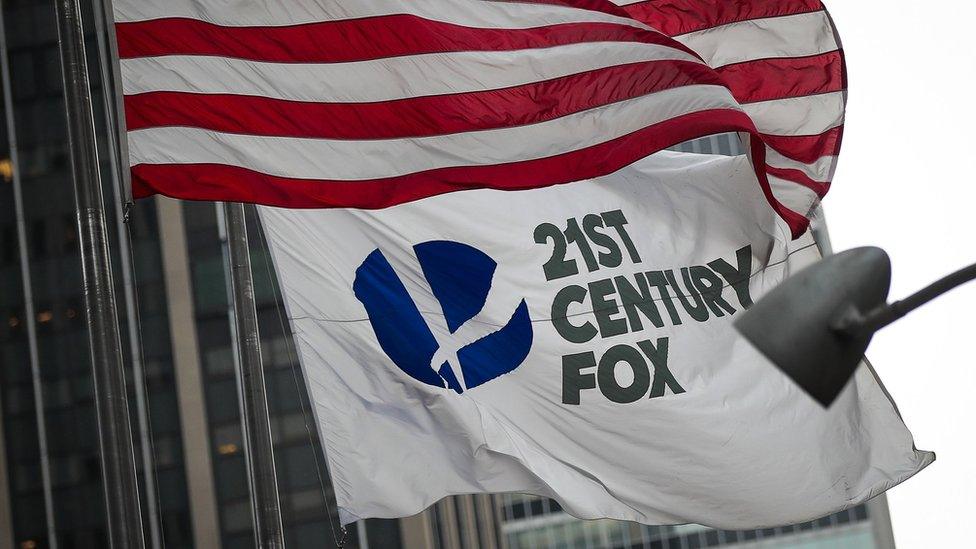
(816, 325)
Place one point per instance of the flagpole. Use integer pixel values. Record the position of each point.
(122, 202)
(124, 516)
(258, 444)
(29, 319)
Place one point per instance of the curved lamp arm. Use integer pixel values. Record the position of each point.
(855, 323)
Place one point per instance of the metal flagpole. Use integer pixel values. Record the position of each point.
(29, 318)
(109, 50)
(258, 446)
(114, 432)
(106, 62)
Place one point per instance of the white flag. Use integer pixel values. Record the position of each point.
(574, 342)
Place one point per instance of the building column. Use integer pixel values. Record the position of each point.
(488, 508)
(189, 378)
(448, 525)
(416, 531)
(467, 520)
(884, 537)
(499, 509)
(6, 516)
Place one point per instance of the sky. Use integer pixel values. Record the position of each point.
(904, 184)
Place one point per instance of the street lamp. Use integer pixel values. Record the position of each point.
(816, 325)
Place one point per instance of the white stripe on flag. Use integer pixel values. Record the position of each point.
(472, 13)
(808, 115)
(821, 169)
(798, 198)
(368, 159)
(792, 36)
(416, 75)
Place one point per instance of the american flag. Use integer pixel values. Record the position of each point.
(372, 103)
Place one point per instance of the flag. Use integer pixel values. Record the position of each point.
(496, 278)
(369, 104)
(573, 342)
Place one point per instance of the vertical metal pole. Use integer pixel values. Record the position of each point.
(114, 432)
(104, 17)
(361, 534)
(231, 315)
(259, 449)
(29, 313)
(106, 62)
(138, 381)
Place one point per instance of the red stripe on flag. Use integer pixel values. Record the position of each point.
(800, 178)
(807, 148)
(229, 183)
(604, 6)
(677, 17)
(780, 78)
(415, 116)
(358, 39)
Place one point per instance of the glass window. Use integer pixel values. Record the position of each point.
(167, 451)
(176, 529)
(69, 234)
(231, 478)
(299, 467)
(222, 401)
(22, 65)
(305, 501)
(209, 292)
(170, 488)
(228, 440)
(243, 541)
(38, 239)
(236, 517)
(292, 429)
(219, 360)
(8, 245)
(312, 534)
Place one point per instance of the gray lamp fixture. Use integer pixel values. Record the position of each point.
(816, 325)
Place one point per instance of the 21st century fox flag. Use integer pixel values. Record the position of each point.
(497, 279)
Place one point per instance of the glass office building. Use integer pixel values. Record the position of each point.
(531, 522)
(187, 430)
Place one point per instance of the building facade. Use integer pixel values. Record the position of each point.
(531, 522)
(176, 328)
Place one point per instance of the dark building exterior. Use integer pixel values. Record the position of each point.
(190, 428)
(177, 333)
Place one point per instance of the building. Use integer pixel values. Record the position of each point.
(176, 330)
(531, 522)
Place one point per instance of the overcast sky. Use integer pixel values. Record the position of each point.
(905, 183)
